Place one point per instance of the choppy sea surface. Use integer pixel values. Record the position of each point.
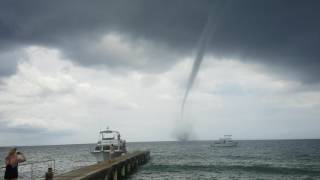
(267, 159)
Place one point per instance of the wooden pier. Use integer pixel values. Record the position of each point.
(118, 168)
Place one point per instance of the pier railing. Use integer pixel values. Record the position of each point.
(33, 170)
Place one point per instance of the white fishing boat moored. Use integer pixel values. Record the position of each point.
(110, 145)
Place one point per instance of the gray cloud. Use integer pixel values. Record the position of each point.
(9, 61)
(21, 129)
(285, 35)
(28, 134)
(26, 129)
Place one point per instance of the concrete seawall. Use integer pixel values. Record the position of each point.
(117, 168)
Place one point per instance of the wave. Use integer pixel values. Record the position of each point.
(220, 168)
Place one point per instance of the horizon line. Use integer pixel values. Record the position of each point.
(192, 140)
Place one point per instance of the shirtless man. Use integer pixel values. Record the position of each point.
(12, 160)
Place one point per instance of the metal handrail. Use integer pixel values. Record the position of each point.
(55, 171)
(36, 162)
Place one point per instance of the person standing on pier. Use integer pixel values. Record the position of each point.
(12, 160)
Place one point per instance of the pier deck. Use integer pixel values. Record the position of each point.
(118, 167)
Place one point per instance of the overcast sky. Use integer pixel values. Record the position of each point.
(71, 68)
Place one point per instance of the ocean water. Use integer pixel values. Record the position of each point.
(268, 159)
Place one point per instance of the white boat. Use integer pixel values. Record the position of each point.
(226, 141)
(110, 145)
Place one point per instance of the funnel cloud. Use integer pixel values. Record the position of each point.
(204, 39)
(208, 31)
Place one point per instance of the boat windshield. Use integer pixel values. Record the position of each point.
(108, 136)
(98, 148)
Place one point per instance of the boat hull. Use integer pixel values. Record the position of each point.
(234, 144)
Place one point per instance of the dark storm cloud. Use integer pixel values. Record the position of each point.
(285, 35)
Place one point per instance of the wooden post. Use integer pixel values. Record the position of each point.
(108, 175)
(128, 168)
(123, 170)
(115, 175)
(49, 174)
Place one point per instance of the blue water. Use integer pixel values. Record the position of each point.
(272, 159)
